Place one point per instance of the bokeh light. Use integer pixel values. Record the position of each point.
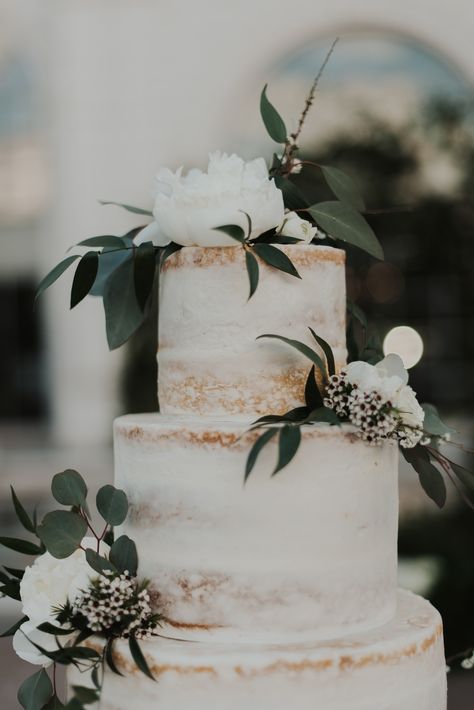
(406, 342)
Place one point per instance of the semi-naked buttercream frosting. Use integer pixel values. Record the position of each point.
(399, 666)
(209, 359)
(279, 594)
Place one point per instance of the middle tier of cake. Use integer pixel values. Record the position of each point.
(307, 554)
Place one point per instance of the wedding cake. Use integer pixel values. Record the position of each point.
(280, 593)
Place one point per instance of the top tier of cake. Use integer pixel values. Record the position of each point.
(209, 360)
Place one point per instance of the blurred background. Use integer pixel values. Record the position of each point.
(94, 97)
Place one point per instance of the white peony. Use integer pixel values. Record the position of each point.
(50, 582)
(188, 208)
(386, 378)
(409, 409)
(294, 226)
(24, 648)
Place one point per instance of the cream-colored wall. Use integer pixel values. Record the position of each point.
(133, 84)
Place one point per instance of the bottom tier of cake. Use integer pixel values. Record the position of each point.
(399, 666)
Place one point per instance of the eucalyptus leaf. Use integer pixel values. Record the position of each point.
(35, 691)
(85, 695)
(123, 555)
(464, 475)
(23, 546)
(129, 208)
(144, 272)
(272, 120)
(109, 261)
(18, 573)
(301, 347)
(298, 414)
(357, 313)
(61, 531)
(233, 231)
(344, 187)
(327, 350)
(168, 250)
(312, 395)
(112, 504)
(257, 447)
(107, 240)
(99, 563)
(13, 629)
(253, 272)
(11, 589)
(288, 444)
(138, 657)
(69, 488)
(109, 657)
(123, 315)
(293, 198)
(55, 273)
(48, 628)
(55, 704)
(432, 482)
(276, 258)
(343, 222)
(433, 424)
(21, 513)
(84, 277)
(324, 414)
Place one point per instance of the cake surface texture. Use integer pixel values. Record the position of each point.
(280, 593)
(209, 361)
(399, 666)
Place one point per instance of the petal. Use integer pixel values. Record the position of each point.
(26, 651)
(392, 366)
(151, 233)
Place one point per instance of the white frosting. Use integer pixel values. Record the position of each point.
(310, 553)
(209, 359)
(399, 666)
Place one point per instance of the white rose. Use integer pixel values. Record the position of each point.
(188, 208)
(409, 409)
(294, 226)
(29, 653)
(362, 374)
(50, 582)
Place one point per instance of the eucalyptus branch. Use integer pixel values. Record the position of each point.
(446, 466)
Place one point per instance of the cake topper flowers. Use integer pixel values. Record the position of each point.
(233, 202)
(78, 587)
(377, 400)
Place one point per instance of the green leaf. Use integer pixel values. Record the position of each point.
(327, 350)
(312, 395)
(99, 563)
(357, 313)
(112, 504)
(168, 250)
(433, 424)
(138, 657)
(342, 222)
(23, 546)
(18, 573)
(84, 695)
(69, 488)
(257, 447)
(272, 120)
(84, 278)
(109, 657)
(123, 315)
(11, 589)
(302, 348)
(21, 513)
(144, 272)
(343, 187)
(61, 532)
(324, 414)
(276, 258)
(95, 677)
(55, 273)
(293, 198)
(129, 208)
(13, 629)
(233, 231)
(108, 240)
(432, 482)
(288, 444)
(55, 704)
(464, 475)
(123, 554)
(252, 271)
(431, 479)
(48, 628)
(35, 691)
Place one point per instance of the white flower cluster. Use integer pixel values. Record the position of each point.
(113, 603)
(378, 401)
